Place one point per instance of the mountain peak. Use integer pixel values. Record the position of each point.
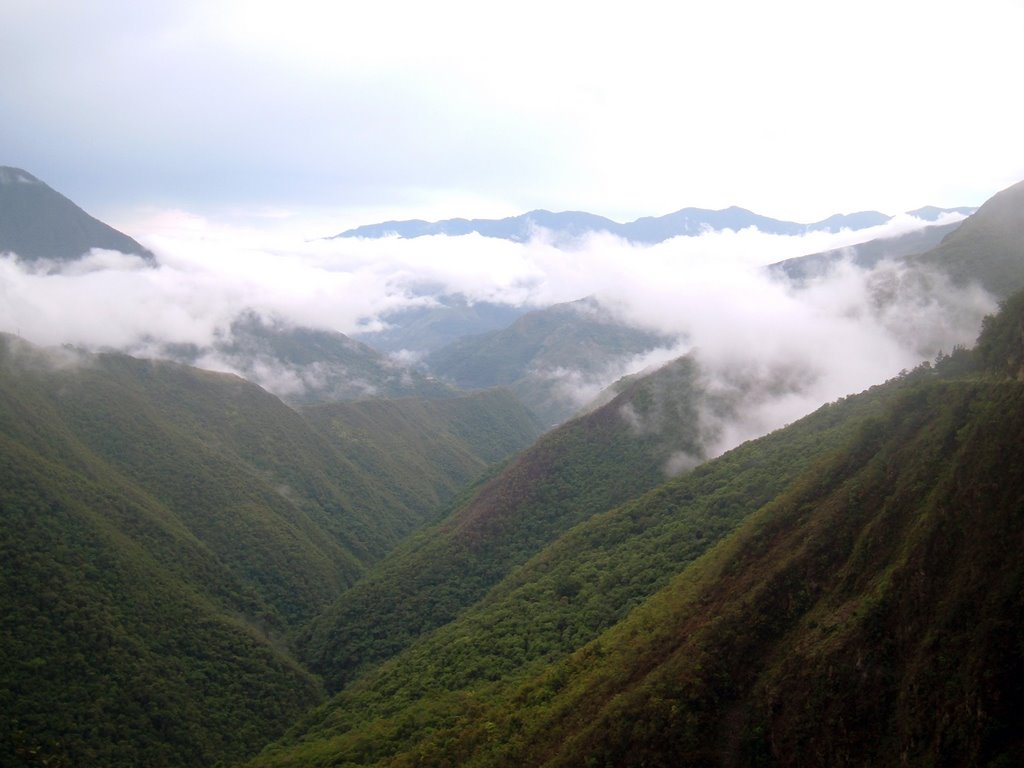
(37, 222)
(10, 175)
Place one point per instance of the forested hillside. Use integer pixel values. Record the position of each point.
(584, 467)
(864, 607)
(586, 580)
(198, 572)
(166, 529)
(869, 616)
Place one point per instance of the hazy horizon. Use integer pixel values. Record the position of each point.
(251, 113)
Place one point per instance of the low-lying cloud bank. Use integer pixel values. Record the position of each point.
(779, 350)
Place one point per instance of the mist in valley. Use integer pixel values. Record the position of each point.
(769, 350)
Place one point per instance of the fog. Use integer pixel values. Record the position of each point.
(777, 350)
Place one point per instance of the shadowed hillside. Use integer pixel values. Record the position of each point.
(586, 466)
(37, 222)
(166, 529)
(988, 247)
(554, 359)
(871, 615)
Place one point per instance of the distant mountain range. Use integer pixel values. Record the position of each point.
(648, 229)
(37, 222)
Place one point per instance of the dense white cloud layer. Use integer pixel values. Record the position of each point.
(782, 351)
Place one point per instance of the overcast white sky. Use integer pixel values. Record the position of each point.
(355, 112)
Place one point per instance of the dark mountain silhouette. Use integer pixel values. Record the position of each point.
(36, 222)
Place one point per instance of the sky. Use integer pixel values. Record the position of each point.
(320, 116)
(230, 136)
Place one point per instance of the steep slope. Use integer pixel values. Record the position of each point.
(866, 254)
(238, 469)
(988, 248)
(588, 579)
(36, 222)
(866, 609)
(555, 359)
(868, 613)
(434, 446)
(166, 528)
(871, 615)
(586, 466)
(124, 640)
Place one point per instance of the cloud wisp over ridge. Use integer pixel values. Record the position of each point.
(780, 350)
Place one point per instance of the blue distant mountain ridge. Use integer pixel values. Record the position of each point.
(648, 229)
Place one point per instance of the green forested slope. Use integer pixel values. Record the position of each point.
(436, 446)
(586, 466)
(124, 641)
(165, 529)
(867, 610)
(588, 579)
(872, 615)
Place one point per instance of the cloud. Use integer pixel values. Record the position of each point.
(769, 352)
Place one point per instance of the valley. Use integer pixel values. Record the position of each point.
(578, 531)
